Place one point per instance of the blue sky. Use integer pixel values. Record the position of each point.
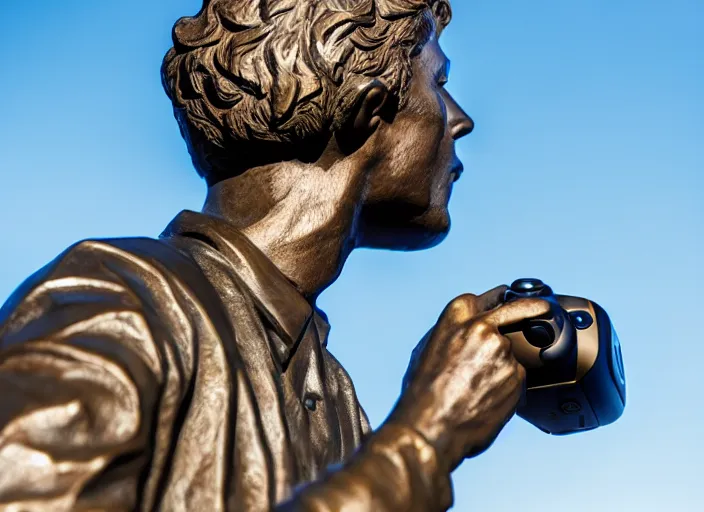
(585, 170)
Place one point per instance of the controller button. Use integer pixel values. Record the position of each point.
(581, 319)
(528, 288)
(571, 407)
(527, 285)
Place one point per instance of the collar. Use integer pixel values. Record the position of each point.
(275, 296)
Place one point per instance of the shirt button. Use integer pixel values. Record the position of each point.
(310, 403)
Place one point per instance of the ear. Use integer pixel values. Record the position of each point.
(373, 105)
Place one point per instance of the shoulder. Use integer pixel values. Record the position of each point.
(88, 265)
(94, 276)
(110, 257)
(123, 300)
(99, 257)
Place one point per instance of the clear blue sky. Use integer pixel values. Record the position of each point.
(585, 170)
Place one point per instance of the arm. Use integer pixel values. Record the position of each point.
(462, 387)
(396, 470)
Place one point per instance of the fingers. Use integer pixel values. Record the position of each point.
(489, 300)
(467, 306)
(517, 311)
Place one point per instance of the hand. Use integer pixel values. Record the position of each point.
(463, 384)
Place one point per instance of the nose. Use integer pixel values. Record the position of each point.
(460, 123)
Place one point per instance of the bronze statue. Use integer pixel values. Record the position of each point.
(191, 372)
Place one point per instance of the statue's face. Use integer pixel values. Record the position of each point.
(410, 185)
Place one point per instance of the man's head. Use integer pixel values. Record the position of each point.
(254, 82)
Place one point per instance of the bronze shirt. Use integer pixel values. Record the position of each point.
(187, 373)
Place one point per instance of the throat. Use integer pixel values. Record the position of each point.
(305, 225)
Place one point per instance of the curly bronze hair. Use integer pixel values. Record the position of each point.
(247, 75)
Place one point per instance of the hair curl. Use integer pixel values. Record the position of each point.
(246, 74)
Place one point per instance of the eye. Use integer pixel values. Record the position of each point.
(441, 76)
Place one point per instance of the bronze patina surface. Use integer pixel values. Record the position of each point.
(191, 371)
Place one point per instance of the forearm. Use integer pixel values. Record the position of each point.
(396, 470)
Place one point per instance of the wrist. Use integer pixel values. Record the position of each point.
(401, 442)
(423, 415)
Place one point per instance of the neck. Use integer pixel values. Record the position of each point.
(302, 216)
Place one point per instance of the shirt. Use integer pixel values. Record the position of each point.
(187, 373)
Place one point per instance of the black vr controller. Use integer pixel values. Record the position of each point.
(574, 371)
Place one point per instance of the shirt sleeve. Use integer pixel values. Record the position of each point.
(90, 348)
(80, 376)
(396, 470)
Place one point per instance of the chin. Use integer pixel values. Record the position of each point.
(416, 234)
(428, 230)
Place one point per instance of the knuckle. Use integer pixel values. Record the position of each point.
(502, 348)
(480, 329)
(495, 346)
(465, 298)
(460, 309)
(461, 303)
(505, 350)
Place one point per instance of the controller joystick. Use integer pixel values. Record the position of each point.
(539, 333)
(529, 288)
(552, 338)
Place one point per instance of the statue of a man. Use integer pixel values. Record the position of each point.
(191, 372)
